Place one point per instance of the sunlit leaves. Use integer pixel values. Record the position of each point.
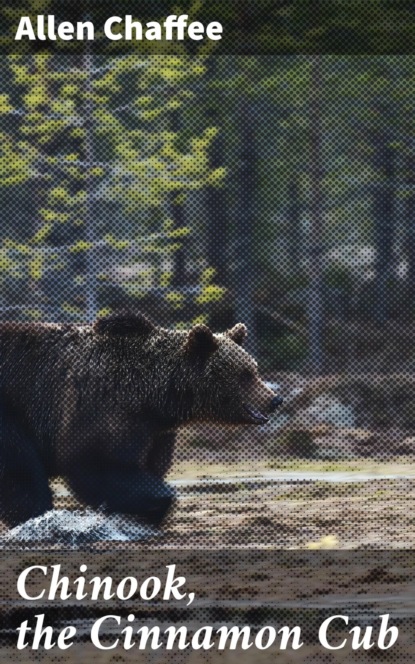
(104, 134)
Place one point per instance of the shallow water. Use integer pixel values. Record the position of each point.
(295, 476)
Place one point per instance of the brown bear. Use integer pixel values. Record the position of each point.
(99, 404)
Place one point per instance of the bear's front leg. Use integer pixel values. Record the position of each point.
(119, 488)
(160, 455)
(24, 485)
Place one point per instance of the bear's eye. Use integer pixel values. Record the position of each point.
(246, 377)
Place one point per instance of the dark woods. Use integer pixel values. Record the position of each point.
(275, 190)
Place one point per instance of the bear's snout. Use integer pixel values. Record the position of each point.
(257, 411)
(275, 402)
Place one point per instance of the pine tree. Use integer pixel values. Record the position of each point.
(89, 136)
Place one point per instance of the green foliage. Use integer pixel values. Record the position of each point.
(96, 134)
(285, 351)
(175, 299)
(210, 293)
(145, 169)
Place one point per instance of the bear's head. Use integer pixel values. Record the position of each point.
(229, 388)
(180, 376)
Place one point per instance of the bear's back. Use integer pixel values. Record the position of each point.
(33, 356)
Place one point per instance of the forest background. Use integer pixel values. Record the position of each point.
(276, 188)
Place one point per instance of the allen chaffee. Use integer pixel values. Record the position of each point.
(172, 28)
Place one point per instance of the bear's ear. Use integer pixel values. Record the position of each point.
(124, 323)
(238, 333)
(201, 342)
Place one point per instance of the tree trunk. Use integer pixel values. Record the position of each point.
(244, 276)
(383, 199)
(410, 230)
(177, 211)
(294, 220)
(316, 247)
(216, 199)
(91, 305)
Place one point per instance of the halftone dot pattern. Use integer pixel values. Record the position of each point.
(158, 193)
(255, 590)
(268, 191)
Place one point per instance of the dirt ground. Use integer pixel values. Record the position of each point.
(260, 504)
(240, 512)
(246, 504)
(296, 514)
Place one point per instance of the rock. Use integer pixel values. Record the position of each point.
(327, 409)
(72, 528)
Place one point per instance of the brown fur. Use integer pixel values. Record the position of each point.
(98, 405)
